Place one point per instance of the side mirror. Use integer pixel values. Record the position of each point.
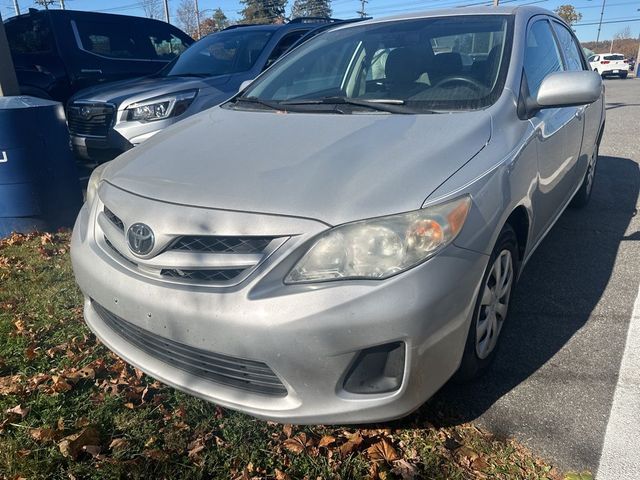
(568, 89)
(245, 84)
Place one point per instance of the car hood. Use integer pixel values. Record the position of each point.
(140, 89)
(332, 168)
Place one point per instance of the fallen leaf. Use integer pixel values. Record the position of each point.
(298, 444)
(118, 444)
(42, 434)
(60, 385)
(287, 430)
(18, 410)
(406, 470)
(156, 454)
(382, 451)
(351, 445)
(280, 475)
(326, 440)
(72, 445)
(11, 385)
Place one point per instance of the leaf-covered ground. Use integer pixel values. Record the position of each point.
(69, 408)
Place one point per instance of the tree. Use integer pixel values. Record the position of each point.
(186, 17)
(218, 21)
(152, 8)
(623, 34)
(311, 8)
(568, 13)
(262, 11)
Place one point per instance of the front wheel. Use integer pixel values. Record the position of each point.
(583, 195)
(492, 307)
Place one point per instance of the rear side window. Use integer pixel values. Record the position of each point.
(284, 44)
(139, 41)
(569, 48)
(542, 56)
(29, 35)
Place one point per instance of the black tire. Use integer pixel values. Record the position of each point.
(583, 195)
(472, 366)
(623, 75)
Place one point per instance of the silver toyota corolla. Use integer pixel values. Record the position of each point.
(341, 238)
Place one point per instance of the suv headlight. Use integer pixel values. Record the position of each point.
(381, 247)
(160, 108)
(94, 182)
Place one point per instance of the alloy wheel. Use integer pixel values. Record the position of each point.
(494, 304)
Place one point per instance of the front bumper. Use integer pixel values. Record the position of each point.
(308, 335)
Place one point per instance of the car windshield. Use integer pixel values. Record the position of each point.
(222, 53)
(410, 66)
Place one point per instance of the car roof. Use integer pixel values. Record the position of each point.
(82, 13)
(525, 10)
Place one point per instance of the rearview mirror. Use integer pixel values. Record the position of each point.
(567, 89)
(245, 84)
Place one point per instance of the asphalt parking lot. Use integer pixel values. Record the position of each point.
(553, 383)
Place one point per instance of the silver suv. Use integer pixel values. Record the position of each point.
(333, 244)
(108, 119)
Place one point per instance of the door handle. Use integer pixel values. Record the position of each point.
(91, 70)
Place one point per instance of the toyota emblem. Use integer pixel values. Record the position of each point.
(140, 239)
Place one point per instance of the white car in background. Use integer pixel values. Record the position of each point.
(609, 64)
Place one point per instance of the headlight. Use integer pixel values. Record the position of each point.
(94, 182)
(381, 247)
(160, 107)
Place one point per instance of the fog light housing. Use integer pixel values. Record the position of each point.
(377, 370)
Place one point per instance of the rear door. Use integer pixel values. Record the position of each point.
(39, 68)
(111, 48)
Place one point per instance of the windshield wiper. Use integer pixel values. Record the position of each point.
(381, 104)
(196, 75)
(257, 101)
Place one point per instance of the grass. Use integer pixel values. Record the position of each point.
(69, 408)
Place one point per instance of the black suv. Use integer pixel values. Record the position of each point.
(59, 52)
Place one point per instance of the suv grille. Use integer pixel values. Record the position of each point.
(91, 120)
(249, 375)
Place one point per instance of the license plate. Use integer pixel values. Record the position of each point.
(616, 71)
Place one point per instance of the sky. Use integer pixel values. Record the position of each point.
(618, 14)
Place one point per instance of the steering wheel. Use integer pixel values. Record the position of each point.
(475, 84)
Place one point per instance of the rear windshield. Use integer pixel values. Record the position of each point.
(135, 41)
(614, 57)
(422, 65)
(222, 53)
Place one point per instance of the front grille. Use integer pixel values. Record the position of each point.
(202, 275)
(91, 120)
(212, 244)
(113, 218)
(248, 375)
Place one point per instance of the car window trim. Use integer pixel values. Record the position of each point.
(76, 34)
(575, 42)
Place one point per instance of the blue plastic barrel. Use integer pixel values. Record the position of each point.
(39, 186)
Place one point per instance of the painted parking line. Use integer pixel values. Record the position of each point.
(620, 459)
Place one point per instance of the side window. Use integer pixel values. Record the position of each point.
(283, 45)
(29, 35)
(542, 56)
(569, 48)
